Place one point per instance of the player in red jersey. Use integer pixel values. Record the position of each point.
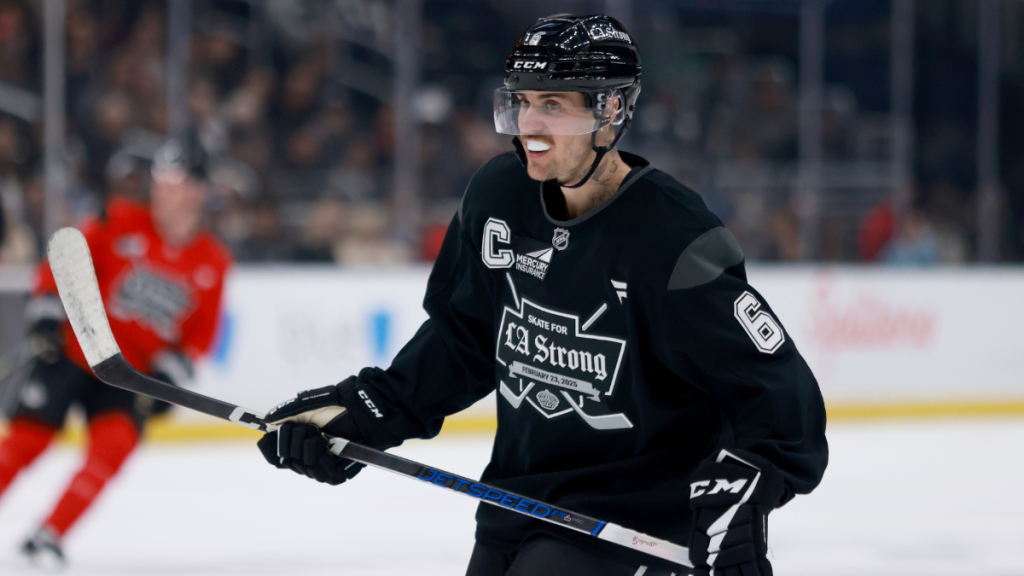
(161, 276)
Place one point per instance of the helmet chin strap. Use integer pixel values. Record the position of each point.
(601, 151)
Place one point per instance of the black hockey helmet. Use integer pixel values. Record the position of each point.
(176, 159)
(593, 55)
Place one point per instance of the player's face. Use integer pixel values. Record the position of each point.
(176, 202)
(553, 156)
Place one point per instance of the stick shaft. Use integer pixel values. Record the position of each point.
(116, 371)
(511, 501)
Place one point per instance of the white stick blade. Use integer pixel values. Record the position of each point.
(72, 267)
(648, 544)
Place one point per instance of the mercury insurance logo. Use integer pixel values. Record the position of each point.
(555, 368)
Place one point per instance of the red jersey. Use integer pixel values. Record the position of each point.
(157, 296)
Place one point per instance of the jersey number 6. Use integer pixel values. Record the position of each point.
(759, 324)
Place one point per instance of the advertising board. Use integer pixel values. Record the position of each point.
(876, 338)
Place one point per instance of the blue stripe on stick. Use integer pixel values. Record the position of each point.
(598, 529)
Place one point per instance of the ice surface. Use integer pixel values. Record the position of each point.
(935, 498)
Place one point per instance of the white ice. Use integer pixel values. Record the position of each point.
(899, 499)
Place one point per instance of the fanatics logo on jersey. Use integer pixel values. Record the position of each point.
(561, 239)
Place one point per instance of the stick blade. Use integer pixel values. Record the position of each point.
(72, 267)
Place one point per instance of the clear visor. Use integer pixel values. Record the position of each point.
(526, 112)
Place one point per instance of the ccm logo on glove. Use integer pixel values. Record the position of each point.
(700, 488)
(369, 404)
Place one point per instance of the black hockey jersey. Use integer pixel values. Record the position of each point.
(625, 346)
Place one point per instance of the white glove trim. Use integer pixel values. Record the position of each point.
(319, 417)
(720, 527)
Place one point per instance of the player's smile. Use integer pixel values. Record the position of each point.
(535, 147)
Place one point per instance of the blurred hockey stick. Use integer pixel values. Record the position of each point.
(14, 366)
(76, 281)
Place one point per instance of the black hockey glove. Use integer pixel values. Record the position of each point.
(45, 314)
(731, 497)
(174, 368)
(298, 444)
(46, 340)
(305, 450)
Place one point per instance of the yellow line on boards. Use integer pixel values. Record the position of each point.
(924, 410)
(166, 431)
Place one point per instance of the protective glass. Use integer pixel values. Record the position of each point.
(526, 112)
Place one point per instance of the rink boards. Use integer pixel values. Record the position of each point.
(882, 342)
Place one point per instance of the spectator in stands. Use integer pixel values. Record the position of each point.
(205, 114)
(251, 145)
(114, 115)
(83, 60)
(322, 232)
(916, 245)
(17, 154)
(264, 242)
(946, 210)
(366, 240)
(246, 107)
(17, 239)
(296, 106)
(218, 52)
(304, 148)
(783, 227)
(876, 230)
(19, 44)
(354, 180)
(838, 121)
(127, 177)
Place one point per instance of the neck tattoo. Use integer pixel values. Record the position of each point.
(605, 176)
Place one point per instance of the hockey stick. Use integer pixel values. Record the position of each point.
(76, 281)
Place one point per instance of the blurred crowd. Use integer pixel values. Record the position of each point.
(300, 165)
(286, 101)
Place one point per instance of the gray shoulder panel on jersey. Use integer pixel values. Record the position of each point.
(705, 259)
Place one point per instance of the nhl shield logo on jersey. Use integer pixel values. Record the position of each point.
(561, 239)
(547, 359)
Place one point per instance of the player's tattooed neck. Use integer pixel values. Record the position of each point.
(607, 176)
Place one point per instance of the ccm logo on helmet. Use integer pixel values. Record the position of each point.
(528, 65)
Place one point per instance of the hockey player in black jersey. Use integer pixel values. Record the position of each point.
(640, 378)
